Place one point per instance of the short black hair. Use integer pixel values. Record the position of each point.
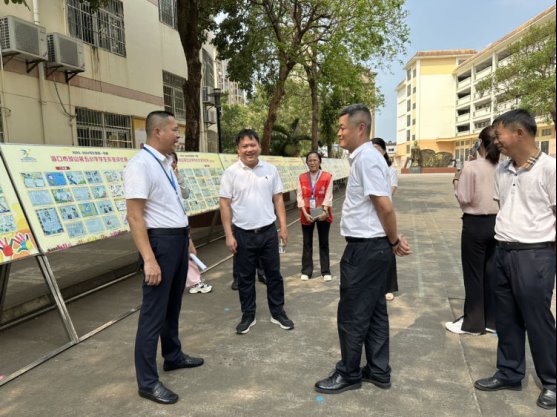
(381, 143)
(154, 120)
(487, 136)
(518, 117)
(361, 110)
(250, 133)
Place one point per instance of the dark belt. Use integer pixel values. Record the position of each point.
(259, 230)
(174, 231)
(523, 246)
(364, 239)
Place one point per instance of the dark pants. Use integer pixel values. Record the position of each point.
(478, 269)
(362, 310)
(524, 287)
(307, 254)
(251, 247)
(160, 310)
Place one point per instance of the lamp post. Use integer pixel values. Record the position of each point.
(217, 94)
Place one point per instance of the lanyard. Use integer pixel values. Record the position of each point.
(170, 177)
(311, 184)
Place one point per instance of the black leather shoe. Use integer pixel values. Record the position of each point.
(335, 384)
(366, 377)
(546, 399)
(159, 394)
(186, 362)
(494, 384)
(261, 277)
(234, 285)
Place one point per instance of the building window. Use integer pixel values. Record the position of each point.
(208, 69)
(103, 27)
(414, 105)
(414, 90)
(407, 136)
(409, 74)
(408, 90)
(167, 13)
(544, 146)
(407, 149)
(408, 120)
(546, 132)
(414, 73)
(103, 130)
(413, 137)
(173, 94)
(413, 122)
(408, 105)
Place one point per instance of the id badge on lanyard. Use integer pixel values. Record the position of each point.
(312, 204)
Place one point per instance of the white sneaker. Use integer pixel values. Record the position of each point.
(456, 327)
(201, 287)
(487, 329)
(327, 277)
(304, 277)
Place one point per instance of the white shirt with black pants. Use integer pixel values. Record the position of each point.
(251, 191)
(148, 176)
(362, 311)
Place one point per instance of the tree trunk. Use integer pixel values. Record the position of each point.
(188, 24)
(284, 71)
(312, 81)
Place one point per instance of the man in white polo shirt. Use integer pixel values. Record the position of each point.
(525, 257)
(250, 193)
(160, 230)
(369, 227)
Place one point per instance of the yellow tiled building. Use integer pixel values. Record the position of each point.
(459, 111)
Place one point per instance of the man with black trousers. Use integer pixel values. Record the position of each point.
(525, 258)
(160, 230)
(369, 226)
(250, 193)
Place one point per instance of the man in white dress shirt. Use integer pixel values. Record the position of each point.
(160, 230)
(369, 226)
(250, 193)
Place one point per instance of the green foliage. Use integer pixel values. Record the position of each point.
(528, 77)
(286, 141)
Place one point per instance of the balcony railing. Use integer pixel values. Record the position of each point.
(463, 100)
(483, 73)
(464, 83)
(482, 112)
(463, 132)
(463, 117)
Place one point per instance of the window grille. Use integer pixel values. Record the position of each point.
(208, 69)
(103, 130)
(103, 27)
(167, 13)
(173, 94)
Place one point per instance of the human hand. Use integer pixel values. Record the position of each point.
(323, 216)
(309, 218)
(22, 241)
(191, 248)
(231, 244)
(152, 273)
(283, 235)
(403, 247)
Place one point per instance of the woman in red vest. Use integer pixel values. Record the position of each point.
(315, 200)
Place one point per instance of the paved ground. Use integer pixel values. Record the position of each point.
(271, 372)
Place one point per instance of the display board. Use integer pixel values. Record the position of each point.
(227, 159)
(340, 168)
(71, 195)
(289, 170)
(202, 172)
(16, 239)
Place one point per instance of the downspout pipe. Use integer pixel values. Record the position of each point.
(41, 71)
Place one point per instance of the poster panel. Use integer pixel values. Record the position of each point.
(289, 169)
(202, 172)
(227, 159)
(16, 239)
(71, 195)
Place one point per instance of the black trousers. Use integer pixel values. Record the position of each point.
(524, 287)
(392, 279)
(251, 247)
(160, 309)
(307, 254)
(478, 268)
(362, 317)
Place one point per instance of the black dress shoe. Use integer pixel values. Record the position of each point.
(186, 362)
(366, 377)
(495, 384)
(159, 394)
(234, 285)
(546, 399)
(335, 384)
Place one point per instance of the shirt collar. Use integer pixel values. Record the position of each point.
(358, 151)
(157, 154)
(526, 166)
(244, 166)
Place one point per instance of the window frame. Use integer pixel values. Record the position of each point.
(103, 129)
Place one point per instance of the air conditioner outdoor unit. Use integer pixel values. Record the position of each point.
(24, 39)
(65, 53)
(211, 117)
(207, 95)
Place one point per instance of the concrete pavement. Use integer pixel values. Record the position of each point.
(271, 372)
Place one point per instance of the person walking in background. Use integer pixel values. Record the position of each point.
(525, 258)
(160, 230)
(392, 281)
(250, 193)
(474, 189)
(369, 227)
(315, 200)
(194, 282)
